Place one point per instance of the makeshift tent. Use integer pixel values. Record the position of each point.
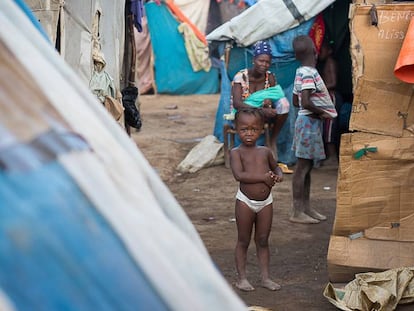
(271, 20)
(175, 38)
(77, 27)
(86, 223)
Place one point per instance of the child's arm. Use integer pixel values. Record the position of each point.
(307, 104)
(250, 177)
(295, 100)
(276, 171)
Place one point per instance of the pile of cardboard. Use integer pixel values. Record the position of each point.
(374, 223)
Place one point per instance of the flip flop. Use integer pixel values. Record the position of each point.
(285, 168)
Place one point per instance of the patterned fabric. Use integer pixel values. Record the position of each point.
(197, 51)
(317, 32)
(308, 78)
(262, 47)
(275, 93)
(242, 77)
(307, 141)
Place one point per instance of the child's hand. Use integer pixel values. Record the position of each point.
(325, 115)
(270, 179)
(278, 174)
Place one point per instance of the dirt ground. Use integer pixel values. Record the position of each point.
(172, 126)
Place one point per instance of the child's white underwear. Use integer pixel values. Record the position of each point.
(255, 206)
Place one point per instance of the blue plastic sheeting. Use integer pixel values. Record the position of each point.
(173, 71)
(281, 44)
(42, 149)
(58, 253)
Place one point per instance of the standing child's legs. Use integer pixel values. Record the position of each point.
(308, 209)
(245, 218)
(301, 190)
(263, 226)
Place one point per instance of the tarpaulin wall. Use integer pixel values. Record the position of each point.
(173, 71)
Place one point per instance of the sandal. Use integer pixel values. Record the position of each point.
(285, 168)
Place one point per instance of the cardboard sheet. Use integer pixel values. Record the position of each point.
(347, 257)
(376, 189)
(380, 107)
(379, 96)
(374, 221)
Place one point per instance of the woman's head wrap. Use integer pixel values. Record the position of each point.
(262, 47)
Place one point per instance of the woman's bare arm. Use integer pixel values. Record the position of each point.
(236, 91)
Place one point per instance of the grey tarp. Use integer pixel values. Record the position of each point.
(266, 19)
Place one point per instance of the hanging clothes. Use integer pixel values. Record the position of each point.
(197, 51)
(137, 9)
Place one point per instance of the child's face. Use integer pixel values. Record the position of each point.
(249, 127)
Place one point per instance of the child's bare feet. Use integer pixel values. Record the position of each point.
(314, 214)
(244, 285)
(303, 218)
(270, 285)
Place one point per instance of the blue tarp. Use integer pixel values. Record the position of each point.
(63, 253)
(173, 71)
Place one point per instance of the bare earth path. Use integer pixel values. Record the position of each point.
(172, 125)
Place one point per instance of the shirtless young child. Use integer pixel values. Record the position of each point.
(256, 170)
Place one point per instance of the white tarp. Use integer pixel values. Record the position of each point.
(266, 19)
